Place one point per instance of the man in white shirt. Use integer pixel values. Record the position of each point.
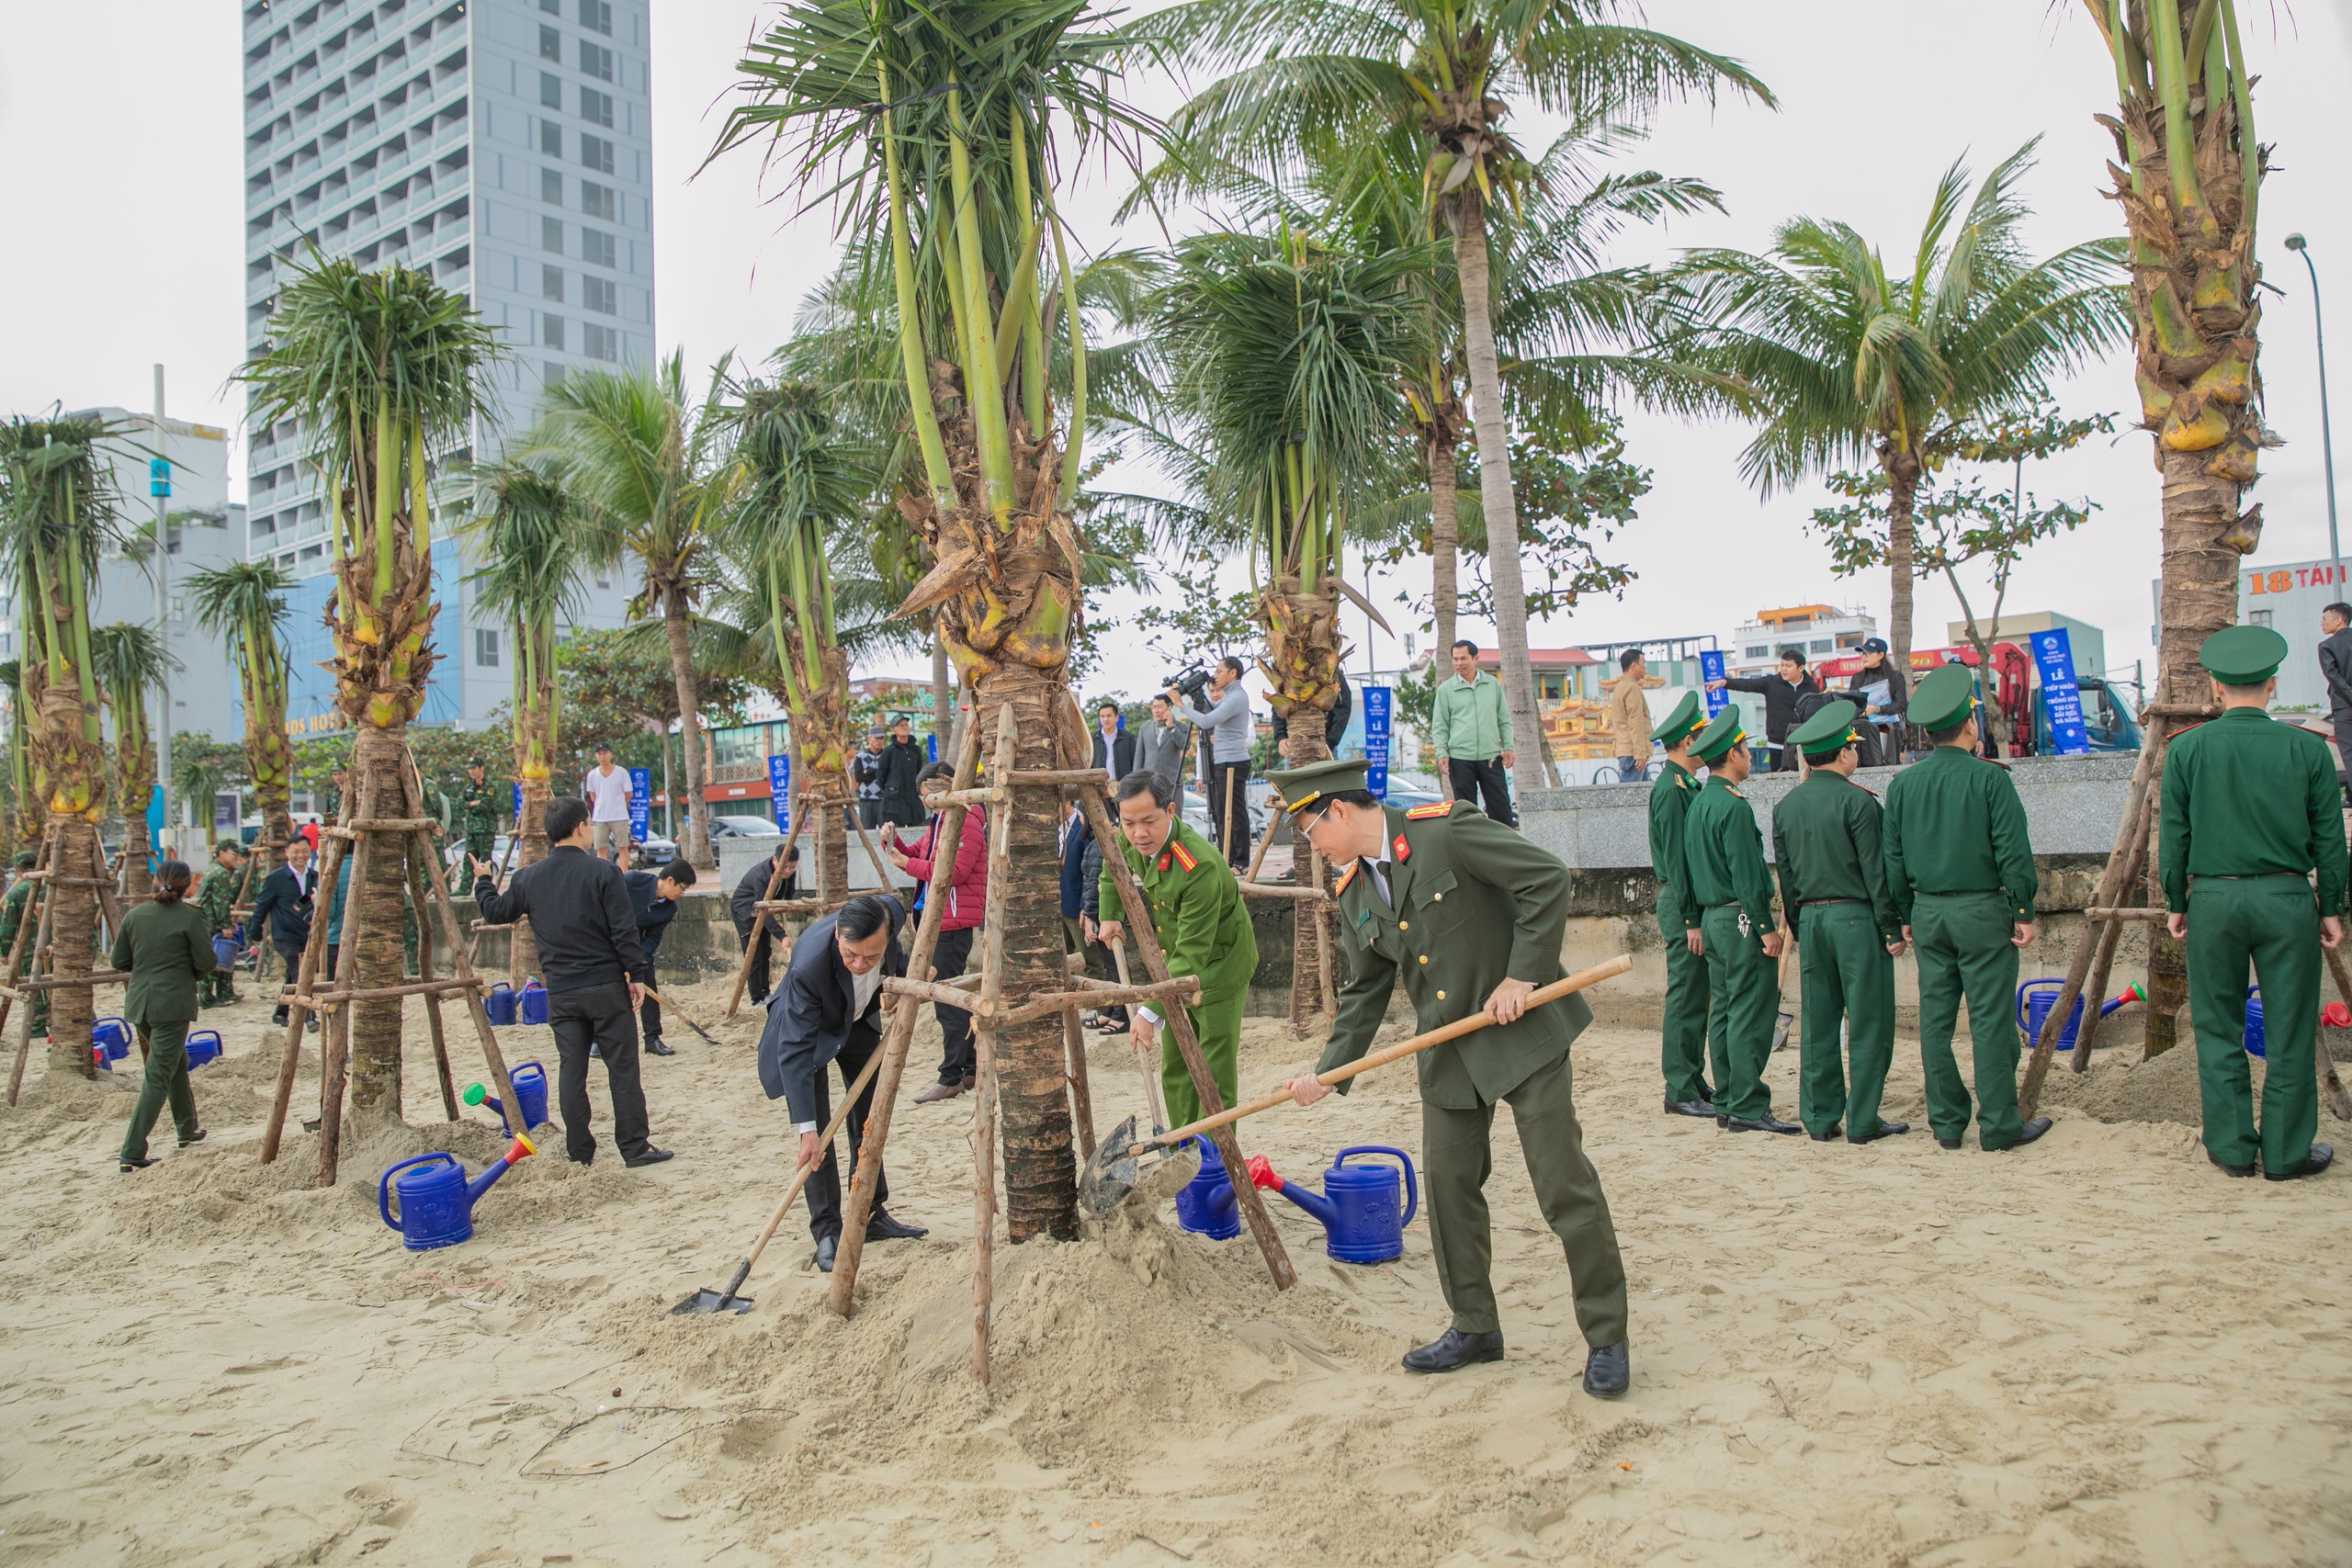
(606, 791)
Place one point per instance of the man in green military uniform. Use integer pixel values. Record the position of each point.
(1961, 871)
(1474, 916)
(215, 901)
(2250, 811)
(1832, 861)
(479, 804)
(1203, 928)
(1683, 1047)
(1722, 852)
(11, 917)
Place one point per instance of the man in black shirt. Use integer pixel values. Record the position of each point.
(655, 899)
(586, 931)
(1780, 693)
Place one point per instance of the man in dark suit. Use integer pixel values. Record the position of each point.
(828, 1010)
(2336, 669)
(1113, 748)
(283, 908)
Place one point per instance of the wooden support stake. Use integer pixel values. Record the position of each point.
(1257, 855)
(306, 970)
(78, 981)
(760, 911)
(1081, 1096)
(991, 1001)
(1180, 1024)
(2131, 912)
(33, 917)
(2111, 937)
(2331, 1087)
(1285, 890)
(336, 1031)
(839, 1294)
(329, 1001)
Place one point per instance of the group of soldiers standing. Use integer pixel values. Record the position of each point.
(2252, 858)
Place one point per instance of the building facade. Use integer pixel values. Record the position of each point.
(2287, 597)
(1823, 631)
(506, 147)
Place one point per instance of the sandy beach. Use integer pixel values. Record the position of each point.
(2093, 1351)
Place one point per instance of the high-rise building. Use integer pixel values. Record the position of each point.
(504, 146)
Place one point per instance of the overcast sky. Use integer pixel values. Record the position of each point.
(119, 128)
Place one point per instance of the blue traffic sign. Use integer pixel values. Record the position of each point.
(159, 476)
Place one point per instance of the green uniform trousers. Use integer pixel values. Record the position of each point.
(220, 986)
(1962, 941)
(1746, 991)
(1682, 1048)
(2273, 922)
(1457, 1156)
(1217, 1026)
(166, 1079)
(1843, 971)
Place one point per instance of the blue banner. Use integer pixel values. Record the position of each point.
(1711, 669)
(2054, 655)
(514, 808)
(780, 790)
(640, 804)
(1375, 708)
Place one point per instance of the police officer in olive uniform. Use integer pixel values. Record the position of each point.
(1961, 871)
(1723, 854)
(1203, 928)
(215, 901)
(478, 803)
(2250, 811)
(12, 915)
(1832, 861)
(1683, 1047)
(1473, 916)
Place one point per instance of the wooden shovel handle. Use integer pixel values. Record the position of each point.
(800, 1176)
(1418, 1042)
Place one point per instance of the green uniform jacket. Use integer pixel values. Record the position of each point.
(12, 915)
(1723, 853)
(479, 802)
(1670, 800)
(1198, 912)
(1827, 843)
(217, 897)
(1954, 825)
(166, 949)
(1474, 905)
(2245, 795)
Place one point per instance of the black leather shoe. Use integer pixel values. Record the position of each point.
(189, 1142)
(2321, 1158)
(1885, 1129)
(880, 1226)
(130, 1164)
(1453, 1350)
(1836, 1131)
(655, 1047)
(1607, 1372)
(1947, 1143)
(277, 1019)
(1688, 1108)
(1722, 1121)
(1768, 1123)
(2028, 1133)
(2237, 1170)
(826, 1246)
(650, 1157)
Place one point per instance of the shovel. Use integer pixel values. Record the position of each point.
(1124, 1167)
(654, 997)
(1785, 1018)
(704, 1302)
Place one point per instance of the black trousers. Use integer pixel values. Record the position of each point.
(824, 1188)
(2342, 724)
(1471, 779)
(292, 953)
(597, 1016)
(1784, 758)
(959, 1059)
(761, 940)
(1232, 821)
(648, 1016)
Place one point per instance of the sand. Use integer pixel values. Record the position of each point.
(2093, 1351)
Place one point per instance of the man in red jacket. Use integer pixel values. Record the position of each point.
(968, 892)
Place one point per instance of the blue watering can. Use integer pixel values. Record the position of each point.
(203, 1048)
(1362, 1221)
(531, 1005)
(1206, 1205)
(2036, 997)
(109, 1041)
(500, 1003)
(436, 1201)
(2255, 1042)
(530, 1088)
(225, 949)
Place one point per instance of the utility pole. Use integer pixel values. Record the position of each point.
(2296, 243)
(161, 487)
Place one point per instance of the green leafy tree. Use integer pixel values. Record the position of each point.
(617, 688)
(131, 661)
(202, 769)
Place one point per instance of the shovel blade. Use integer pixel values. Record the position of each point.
(1117, 1171)
(703, 1303)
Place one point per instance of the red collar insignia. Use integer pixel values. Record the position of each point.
(1401, 846)
(1163, 860)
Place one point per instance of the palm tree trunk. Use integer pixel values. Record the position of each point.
(1470, 262)
(942, 697)
(530, 828)
(1903, 488)
(697, 847)
(72, 943)
(137, 884)
(371, 917)
(1445, 542)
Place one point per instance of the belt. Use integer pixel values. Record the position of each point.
(1953, 892)
(2249, 877)
(1809, 903)
(1726, 904)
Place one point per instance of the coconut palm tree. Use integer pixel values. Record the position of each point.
(383, 371)
(526, 534)
(131, 661)
(946, 123)
(641, 465)
(28, 818)
(1850, 363)
(58, 508)
(244, 602)
(1305, 78)
(199, 774)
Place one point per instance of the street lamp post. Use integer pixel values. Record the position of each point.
(2296, 243)
(162, 620)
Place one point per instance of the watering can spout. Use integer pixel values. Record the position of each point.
(1261, 1175)
(522, 1149)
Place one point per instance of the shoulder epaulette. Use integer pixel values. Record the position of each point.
(1435, 809)
(1996, 763)
(1183, 856)
(1346, 876)
(2185, 728)
(1865, 789)
(1734, 790)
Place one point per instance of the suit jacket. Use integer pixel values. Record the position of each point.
(1123, 754)
(1074, 847)
(165, 949)
(653, 915)
(2336, 668)
(809, 1016)
(283, 906)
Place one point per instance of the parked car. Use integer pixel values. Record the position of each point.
(655, 853)
(453, 854)
(744, 828)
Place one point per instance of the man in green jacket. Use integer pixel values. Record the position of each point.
(1961, 871)
(165, 949)
(1682, 1046)
(479, 805)
(1203, 928)
(1470, 731)
(215, 901)
(1723, 851)
(13, 912)
(2250, 812)
(1832, 861)
(1473, 916)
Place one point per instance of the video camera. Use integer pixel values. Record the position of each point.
(1190, 681)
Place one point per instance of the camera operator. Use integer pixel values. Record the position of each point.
(1225, 727)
